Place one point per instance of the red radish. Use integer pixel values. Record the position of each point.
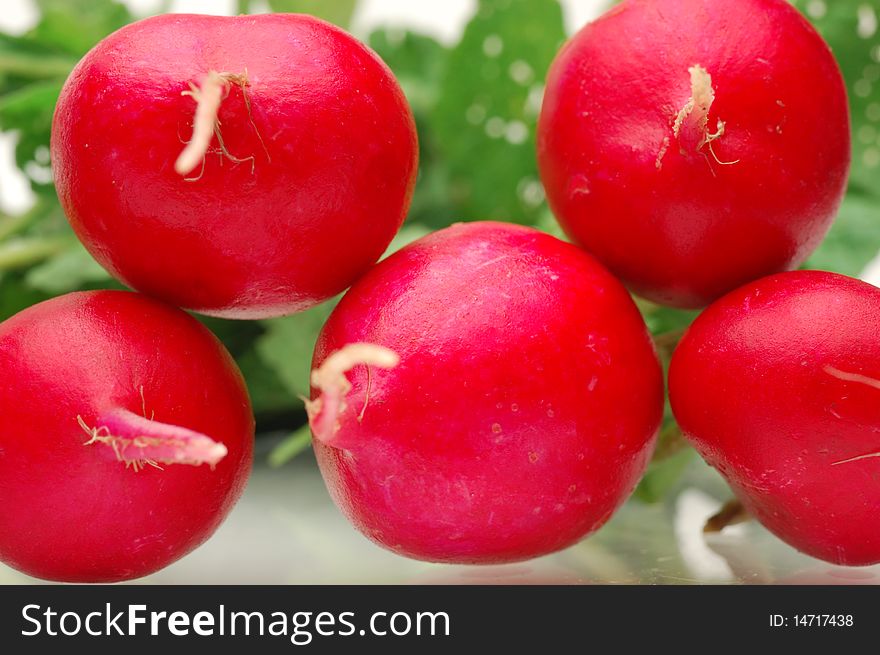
(501, 401)
(126, 437)
(695, 145)
(298, 171)
(778, 386)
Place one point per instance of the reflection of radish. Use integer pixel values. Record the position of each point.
(778, 386)
(126, 436)
(298, 171)
(695, 145)
(501, 400)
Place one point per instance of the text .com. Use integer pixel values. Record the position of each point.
(301, 627)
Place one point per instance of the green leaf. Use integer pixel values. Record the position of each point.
(29, 112)
(268, 395)
(288, 343)
(854, 238)
(26, 251)
(408, 233)
(489, 102)
(662, 476)
(432, 201)
(287, 346)
(30, 108)
(23, 45)
(419, 62)
(34, 65)
(74, 26)
(33, 68)
(237, 336)
(546, 222)
(15, 295)
(663, 320)
(338, 12)
(68, 271)
(850, 27)
(11, 225)
(293, 445)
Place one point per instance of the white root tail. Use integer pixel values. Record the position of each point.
(208, 98)
(852, 377)
(691, 124)
(141, 442)
(696, 110)
(858, 378)
(206, 125)
(324, 411)
(856, 459)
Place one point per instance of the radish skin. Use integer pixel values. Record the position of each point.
(244, 167)
(514, 405)
(695, 145)
(127, 437)
(777, 384)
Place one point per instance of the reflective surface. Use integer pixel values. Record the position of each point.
(286, 530)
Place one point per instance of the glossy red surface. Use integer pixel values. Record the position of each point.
(666, 216)
(328, 149)
(777, 385)
(524, 407)
(74, 512)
